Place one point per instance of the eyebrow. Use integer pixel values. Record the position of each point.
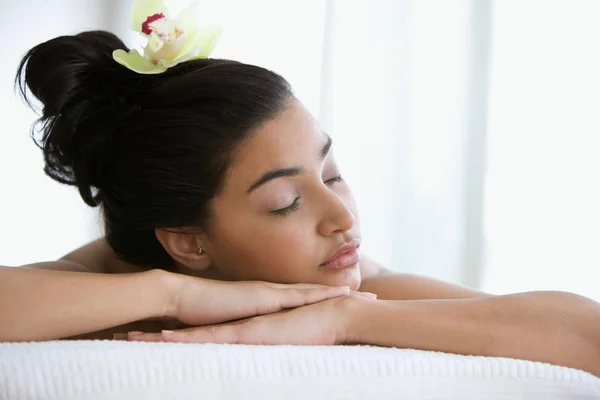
(292, 171)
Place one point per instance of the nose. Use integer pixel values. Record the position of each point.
(337, 217)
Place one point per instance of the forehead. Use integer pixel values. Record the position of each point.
(293, 138)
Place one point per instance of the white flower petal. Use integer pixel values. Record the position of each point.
(188, 19)
(142, 9)
(135, 62)
(208, 37)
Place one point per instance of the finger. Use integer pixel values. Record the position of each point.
(296, 285)
(299, 297)
(204, 334)
(119, 336)
(368, 295)
(143, 337)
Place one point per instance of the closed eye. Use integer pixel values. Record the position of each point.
(287, 210)
(334, 180)
(296, 204)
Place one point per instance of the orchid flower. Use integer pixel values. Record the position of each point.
(170, 41)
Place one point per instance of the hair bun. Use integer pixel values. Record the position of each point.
(82, 91)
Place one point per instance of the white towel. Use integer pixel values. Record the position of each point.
(134, 370)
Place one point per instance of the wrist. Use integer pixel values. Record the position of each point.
(168, 286)
(354, 310)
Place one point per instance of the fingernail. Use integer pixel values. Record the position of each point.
(135, 333)
(165, 332)
(369, 295)
(119, 336)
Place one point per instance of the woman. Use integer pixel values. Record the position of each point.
(214, 180)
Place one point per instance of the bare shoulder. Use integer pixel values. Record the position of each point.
(99, 257)
(92, 256)
(396, 286)
(95, 257)
(60, 265)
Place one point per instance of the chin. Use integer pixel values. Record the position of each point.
(346, 277)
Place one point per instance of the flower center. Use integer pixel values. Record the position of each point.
(146, 24)
(164, 28)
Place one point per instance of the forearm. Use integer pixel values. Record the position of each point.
(553, 327)
(45, 304)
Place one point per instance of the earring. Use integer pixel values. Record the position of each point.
(201, 251)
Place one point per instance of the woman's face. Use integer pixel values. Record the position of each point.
(285, 210)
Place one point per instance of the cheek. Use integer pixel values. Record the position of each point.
(276, 251)
(291, 250)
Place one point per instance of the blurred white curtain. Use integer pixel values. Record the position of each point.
(404, 94)
(542, 214)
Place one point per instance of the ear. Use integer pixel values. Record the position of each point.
(182, 246)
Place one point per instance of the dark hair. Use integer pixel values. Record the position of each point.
(152, 150)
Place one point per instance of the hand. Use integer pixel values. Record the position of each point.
(203, 301)
(322, 323)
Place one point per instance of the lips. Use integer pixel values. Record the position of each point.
(346, 256)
